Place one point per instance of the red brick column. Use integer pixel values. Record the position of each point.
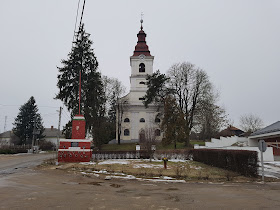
(79, 127)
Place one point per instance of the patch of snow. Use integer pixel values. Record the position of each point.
(88, 163)
(147, 166)
(101, 172)
(269, 175)
(178, 161)
(108, 162)
(167, 178)
(125, 177)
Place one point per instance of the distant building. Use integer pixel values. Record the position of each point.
(136, 118)
(51, 134)
(271, 135)
(5, 138)
(231, 131)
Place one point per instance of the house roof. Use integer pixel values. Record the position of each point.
(6, 134)
(269, 129)
(51, 132)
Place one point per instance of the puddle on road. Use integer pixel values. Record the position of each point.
(116, 185)
(92, 183)
(172, 188)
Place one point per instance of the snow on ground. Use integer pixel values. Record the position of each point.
(136, 163)
(140, 165)
(271, 169)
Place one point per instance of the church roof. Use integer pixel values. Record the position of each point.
(141, 47)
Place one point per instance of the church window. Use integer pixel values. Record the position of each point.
(141, 67)
(126, 120)
(157, 132)
(157, 120)
(141, 99)
(126, 132)
(142, 120)
(142, 83)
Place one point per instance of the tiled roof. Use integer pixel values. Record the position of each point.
(269, 129)
(51, 132)
(6, 134)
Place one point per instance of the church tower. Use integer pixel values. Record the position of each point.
(141, 63)
(135, 117)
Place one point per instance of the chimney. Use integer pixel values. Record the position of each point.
(52, 127)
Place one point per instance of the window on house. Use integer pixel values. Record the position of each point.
(126, 132)
(142, 120)
(157, 132)
(157, 120)
(126, 120)
(141, 67)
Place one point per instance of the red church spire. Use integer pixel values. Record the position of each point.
(141, 47)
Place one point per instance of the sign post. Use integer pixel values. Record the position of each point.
(262, 148)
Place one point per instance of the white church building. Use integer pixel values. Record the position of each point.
(136, 119)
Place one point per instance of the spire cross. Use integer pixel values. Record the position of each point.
(141, 21)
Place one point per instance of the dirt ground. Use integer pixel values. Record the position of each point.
(42, 188)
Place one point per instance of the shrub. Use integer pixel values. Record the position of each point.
(7, 149)
(46, 146)
(240, 161)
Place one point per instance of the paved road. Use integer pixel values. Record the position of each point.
(10, 164)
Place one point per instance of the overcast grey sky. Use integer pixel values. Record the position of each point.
(235, 41)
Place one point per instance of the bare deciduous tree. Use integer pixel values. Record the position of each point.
(147, 139)
(210, 117)
(192, 91)
(116, 103)
(250, 122)
(190, 86)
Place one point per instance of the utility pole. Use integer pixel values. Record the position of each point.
(34, 133)
(5, 126)
(58, 130)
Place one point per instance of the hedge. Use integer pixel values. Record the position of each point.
(6, 149)
(241, 161)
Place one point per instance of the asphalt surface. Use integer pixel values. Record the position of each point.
(11, 164)
(25, 187)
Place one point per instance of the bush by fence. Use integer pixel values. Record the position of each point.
(241, 161)
(179, 154)
(46, 146)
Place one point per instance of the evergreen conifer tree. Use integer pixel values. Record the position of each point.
(82, 58)
(26, 119)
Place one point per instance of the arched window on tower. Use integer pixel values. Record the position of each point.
(126, 120)
(142, 83)
(142, 120)
(126, 132)
(157, 132)
(141, 67)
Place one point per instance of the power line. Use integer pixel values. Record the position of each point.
(76, 21)
(37, 106)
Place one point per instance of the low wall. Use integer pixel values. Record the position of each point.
(225, 141)
(158, 155)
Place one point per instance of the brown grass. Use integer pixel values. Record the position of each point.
(189, 171)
